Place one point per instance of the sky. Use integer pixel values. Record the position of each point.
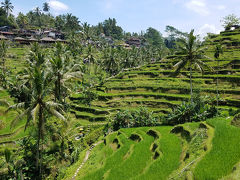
(137, 15)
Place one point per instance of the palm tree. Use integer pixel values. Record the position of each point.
(110, 60)
(126, 60)
(37, 106)
(38, 14)
(7, 6)
(72, 23)
(190, 54)
(46, 7)
(63, 70)
(86, 31)
(3, 53)
(218, 51)
(90, 54)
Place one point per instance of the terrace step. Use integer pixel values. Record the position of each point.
(92, 109)
(88, 116)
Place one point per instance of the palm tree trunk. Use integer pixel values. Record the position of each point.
(217, 83)
(59, 87)
(191, 86)
(39, 151)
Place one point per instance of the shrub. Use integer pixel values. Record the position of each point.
(88, 96)
(236, 120)
(134, 118)
(198, 110)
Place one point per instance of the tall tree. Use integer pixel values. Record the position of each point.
(110, 28)
(111, 60)
(46, 7)
(217, 53)
(3, 53)
(229, 21)
(173, 36)
(38, 14)
(60, 22)
(22, 20)
(190, 52)
(154, 37)
(7, 6)
(63, 70)
(37, 107)
(72, 23)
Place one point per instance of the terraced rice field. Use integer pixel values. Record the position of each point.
(193, 151)
(155, 87)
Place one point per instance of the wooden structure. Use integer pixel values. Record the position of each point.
(134, 42)
(3, 37)
(47, 40)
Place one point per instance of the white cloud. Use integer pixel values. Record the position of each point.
(198, 6)
(208, 28)
(221, 7)
(58, 6)
(108, 5)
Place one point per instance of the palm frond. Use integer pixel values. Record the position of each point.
(51, 104)
(19, 117)
(16, 106)
(35, 112)
(56, 114)
(4, 102)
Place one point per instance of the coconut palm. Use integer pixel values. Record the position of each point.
(86, 31)
(218, 51)
(90, 54)
(63, 70)
(38, 14)
(126, 60)
(110, 60)
(37, 107)
(46, 7)
(189, 54)
(3, 53)
(7, 6)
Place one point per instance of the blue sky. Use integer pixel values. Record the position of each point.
(136, 15)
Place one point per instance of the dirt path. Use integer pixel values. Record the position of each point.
(85, 158)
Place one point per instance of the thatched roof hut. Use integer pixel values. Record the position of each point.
(48, 40)
(3, 37)
(33, 39)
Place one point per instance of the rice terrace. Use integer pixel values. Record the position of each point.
(106, 99)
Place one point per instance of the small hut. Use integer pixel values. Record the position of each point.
(21, 40)
(3, 37)
(60, 40)
(32, 40)
(47, 40)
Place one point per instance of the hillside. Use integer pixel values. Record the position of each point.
(190, 151)
(193, 150)
(154, 86)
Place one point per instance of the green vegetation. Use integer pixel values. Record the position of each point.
(108, 104)
(223, 155)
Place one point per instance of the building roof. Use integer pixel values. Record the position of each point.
(20, 38)
(60, 40)
(48, 39)
(32, 39)
(7, 33)
(3, 37)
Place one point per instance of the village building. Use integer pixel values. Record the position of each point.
(134, 42)
(3, 37)
(47, 40)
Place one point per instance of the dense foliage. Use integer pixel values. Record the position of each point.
(134, 118)
(199, 109)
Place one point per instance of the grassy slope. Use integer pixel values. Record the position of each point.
(224, 153)
(134, 160)
(153, 86)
